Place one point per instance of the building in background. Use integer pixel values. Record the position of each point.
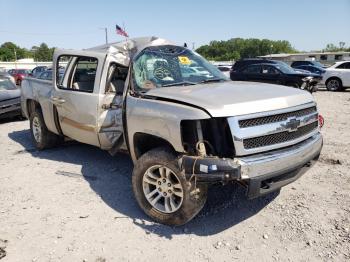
(322, 57)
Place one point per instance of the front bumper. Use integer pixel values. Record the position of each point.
(262, 173)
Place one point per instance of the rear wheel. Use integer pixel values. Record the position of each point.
(41, 136)
(162, 190)
(334, 84)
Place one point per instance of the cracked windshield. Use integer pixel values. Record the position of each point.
(172, 66)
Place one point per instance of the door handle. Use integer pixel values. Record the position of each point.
(57, 100)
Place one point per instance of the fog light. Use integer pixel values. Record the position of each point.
(320, 121)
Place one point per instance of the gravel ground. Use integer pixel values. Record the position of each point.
(75, 203)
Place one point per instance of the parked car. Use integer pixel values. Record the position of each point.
(48, 74)
(37, 71)
(311, 69)
(183, 132)
(243, 63)
(10, 98)
(45, 75)
(4, 74)
(302, 63)
(19, 75)
(277, 73)
(11, 71)
(225, 70)
(337, 76)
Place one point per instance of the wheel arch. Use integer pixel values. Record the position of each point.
(144, 142)
(32, 105)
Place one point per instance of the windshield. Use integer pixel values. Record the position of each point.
(6, 84)
(162, 66)
(316, 63)
(286, 69)
(23, 71)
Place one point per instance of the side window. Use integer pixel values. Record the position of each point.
(254, 69)
(44, 75)
(344, 66)
(116, 77)
(79, 75)
(270, 70)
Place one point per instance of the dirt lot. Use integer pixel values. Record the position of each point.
(75, 203)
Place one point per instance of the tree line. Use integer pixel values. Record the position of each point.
(9, 51)
(238, 48)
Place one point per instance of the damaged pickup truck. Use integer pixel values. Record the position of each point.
(185, 125)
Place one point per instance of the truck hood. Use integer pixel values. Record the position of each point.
(232, 98)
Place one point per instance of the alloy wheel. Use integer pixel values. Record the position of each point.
(162, 189)
(36, 129)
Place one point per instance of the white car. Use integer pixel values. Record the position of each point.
(225, 70)
(337, 76)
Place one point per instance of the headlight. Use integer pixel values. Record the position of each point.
(307, 78)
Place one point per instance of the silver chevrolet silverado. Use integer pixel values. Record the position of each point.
(185, 125)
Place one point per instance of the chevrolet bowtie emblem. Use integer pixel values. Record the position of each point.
(292, 125)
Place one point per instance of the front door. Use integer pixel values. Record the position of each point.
(270, 75)
(76, 93)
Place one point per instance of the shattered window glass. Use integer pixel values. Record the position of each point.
(163, 66)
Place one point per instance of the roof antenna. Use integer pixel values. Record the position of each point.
(185, 45)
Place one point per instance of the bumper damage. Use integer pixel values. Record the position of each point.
(261, 173)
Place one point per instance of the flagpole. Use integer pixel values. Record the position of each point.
(126, 37)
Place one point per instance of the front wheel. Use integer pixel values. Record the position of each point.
(162, 190)
(334, 85)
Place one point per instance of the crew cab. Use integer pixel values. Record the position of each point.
(337, 76)
(182, 131)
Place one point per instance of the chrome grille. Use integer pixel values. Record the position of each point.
(275, 118)
(265, 131)
(278, 138)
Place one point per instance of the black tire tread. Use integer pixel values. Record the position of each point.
(190, 206)
(49, 139)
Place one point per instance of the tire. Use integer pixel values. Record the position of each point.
(41, 136)
(334, 84)
(149, 168)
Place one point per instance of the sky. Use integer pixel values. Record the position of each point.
(307, 24)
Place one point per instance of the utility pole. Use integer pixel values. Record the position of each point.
(106, 33)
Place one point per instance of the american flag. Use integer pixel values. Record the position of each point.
(120, 31)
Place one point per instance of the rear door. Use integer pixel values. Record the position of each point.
(345, 73)
(252, 73)
(76, 93)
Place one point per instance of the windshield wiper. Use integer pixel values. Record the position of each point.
(212, 80)
(180, 84)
